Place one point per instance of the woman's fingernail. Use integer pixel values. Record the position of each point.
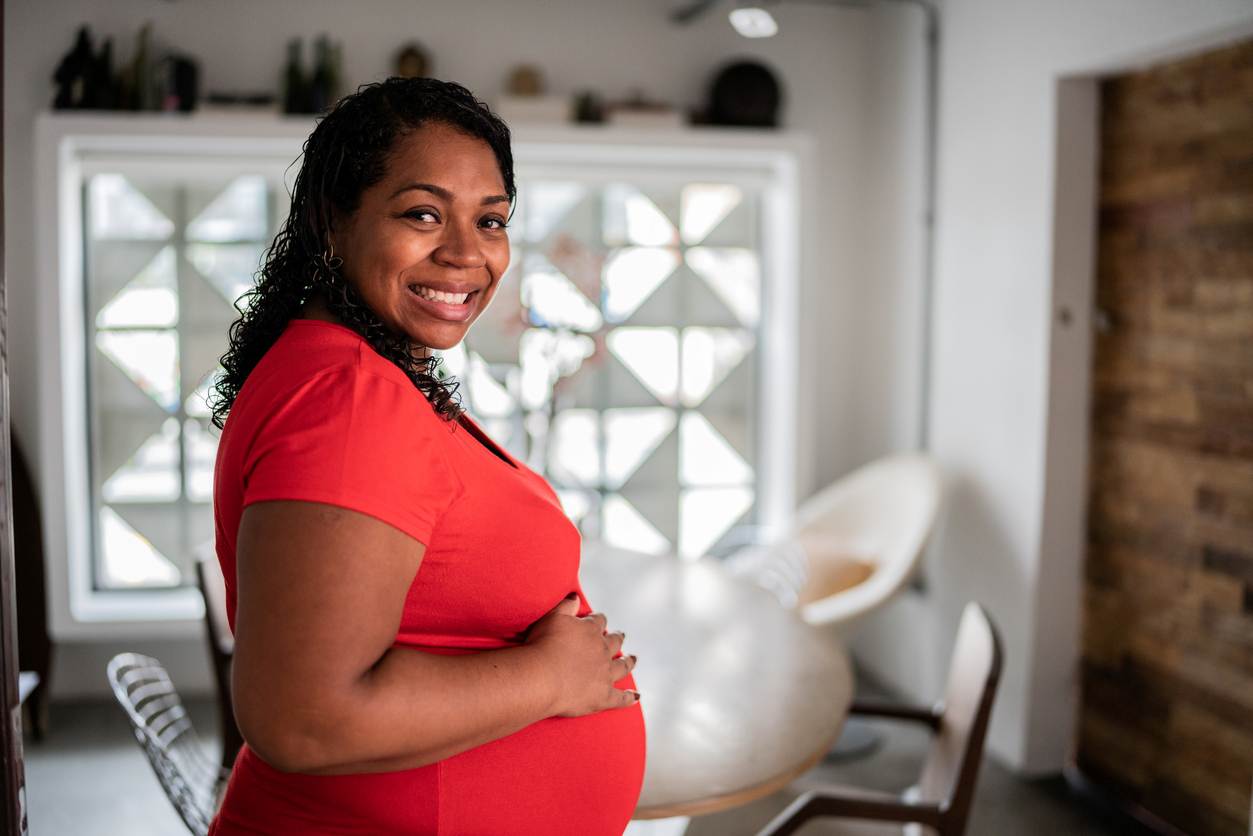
(633, 659)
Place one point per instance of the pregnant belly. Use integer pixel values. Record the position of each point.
(578, 775)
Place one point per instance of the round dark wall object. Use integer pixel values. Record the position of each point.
(745, 93)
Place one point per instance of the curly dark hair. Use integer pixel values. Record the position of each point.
(349, 151)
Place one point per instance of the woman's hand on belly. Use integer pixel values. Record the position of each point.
(318, 686)
(584, 660)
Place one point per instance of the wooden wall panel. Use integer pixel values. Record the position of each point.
(1166, 717)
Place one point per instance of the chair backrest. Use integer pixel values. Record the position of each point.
(952, 765)
(221, 650)
(213, 587)
(163, 730)
(882, 513)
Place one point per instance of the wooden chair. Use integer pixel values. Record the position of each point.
(191, 780)
(221, 650)
(942, 797)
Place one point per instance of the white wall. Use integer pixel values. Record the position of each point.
(1007, 405)
(824, 57)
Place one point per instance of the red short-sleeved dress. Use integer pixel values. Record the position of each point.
(324, 418)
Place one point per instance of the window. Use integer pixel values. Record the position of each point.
(166, 258)
(647, 316)
(620, 356)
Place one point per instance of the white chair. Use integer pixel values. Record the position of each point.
(853, 545)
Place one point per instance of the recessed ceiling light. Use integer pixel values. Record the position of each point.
(753, 22)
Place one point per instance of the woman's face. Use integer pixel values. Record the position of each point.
(427, 245)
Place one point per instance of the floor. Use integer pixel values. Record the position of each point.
(89, 778)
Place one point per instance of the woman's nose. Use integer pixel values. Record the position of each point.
(460, 247)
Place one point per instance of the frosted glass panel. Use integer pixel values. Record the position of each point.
(229, 268)
(704, 207)
(631, 276)
(165, 257)
(706, 514)
(151, 474)
(634, 382)
(150, 300)
(733, 274)
(652, 355)
(129, 559)
(119, 210)
(148, 358)
(237, 214)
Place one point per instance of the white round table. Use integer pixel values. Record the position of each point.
(740, 696)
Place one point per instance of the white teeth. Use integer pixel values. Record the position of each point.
(440, 296)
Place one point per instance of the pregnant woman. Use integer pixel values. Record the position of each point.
(413, 652)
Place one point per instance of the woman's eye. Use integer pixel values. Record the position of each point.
(495, 223)
(422, 214)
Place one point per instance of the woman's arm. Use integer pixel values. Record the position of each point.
(317, 685)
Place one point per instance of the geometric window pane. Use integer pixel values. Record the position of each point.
(166, 255)
(237, 214)
(705, 457)
(453, 361)
(709, 355)
(129, 559)
(575, 450)
(704, 207)
(151, 473)
(197, 403)
(652, 355)
(631, 276)
(554, 302)
(487, 396)
(149, 358)
(734, 274)
(150, 300)
(623, 526)
(630, 436)
(201, 449)
(576, 503)
(228, 267)
(609, 338)
(545, 357)
(120, 211)
(632, 218)
(546, 205)
(705, 514)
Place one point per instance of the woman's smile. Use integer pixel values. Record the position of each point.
(452, 306)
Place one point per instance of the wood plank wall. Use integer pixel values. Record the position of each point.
(1166, 716)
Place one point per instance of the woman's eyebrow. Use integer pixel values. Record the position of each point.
(441, 192)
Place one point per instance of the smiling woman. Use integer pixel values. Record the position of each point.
(413, 653)
(427, 254)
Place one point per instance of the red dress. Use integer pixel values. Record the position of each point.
(324, 418)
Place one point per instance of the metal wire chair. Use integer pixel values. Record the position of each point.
(191, 780)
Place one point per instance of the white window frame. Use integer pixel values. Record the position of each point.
(70, 147)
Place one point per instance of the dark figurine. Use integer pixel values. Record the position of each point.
(74, 74)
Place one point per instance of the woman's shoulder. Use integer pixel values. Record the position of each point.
(320, 361)
(310, 348)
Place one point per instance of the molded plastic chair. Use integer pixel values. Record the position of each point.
(880, 515)
(191, 780)
(942, 797)
(221, 651)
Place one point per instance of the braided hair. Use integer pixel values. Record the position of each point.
(349, 151)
